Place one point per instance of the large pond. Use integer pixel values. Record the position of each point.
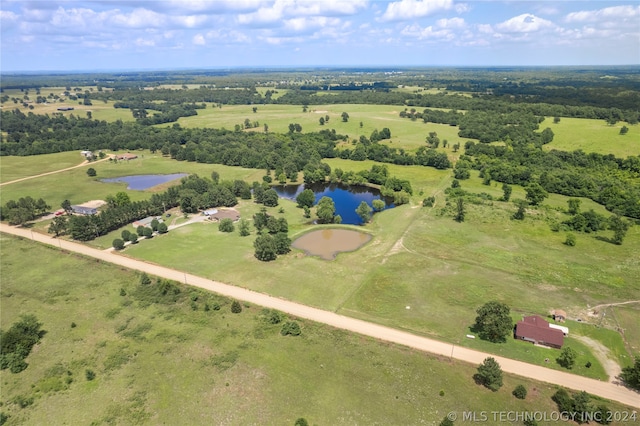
(346, 198)
(327, 243)
(141, 182)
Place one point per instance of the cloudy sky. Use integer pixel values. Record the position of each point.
(150, 34)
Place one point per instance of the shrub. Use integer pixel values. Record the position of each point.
(428, 202)
(226, 225)
(162, 228)
(90, 375)
(147, 232)
(301, 422)
(489, 374)
(520, 392)
(125, 234)
(290, 328)
(133, 238)
(140, 230)
(118, 244)
(571, 240)
(236, 307)
(91, 172)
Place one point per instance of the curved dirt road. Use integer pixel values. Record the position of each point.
(604, 389)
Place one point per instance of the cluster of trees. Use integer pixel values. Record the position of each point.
(581, 409)
(23, 210)
(493, 322)
(273, 238)
(16, 343)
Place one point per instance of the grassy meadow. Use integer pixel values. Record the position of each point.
(13, 167)
(168, 360)
(591, 135)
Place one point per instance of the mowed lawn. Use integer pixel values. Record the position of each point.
(178, 363)
(589, 135)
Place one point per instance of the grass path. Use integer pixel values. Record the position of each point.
(606, 390)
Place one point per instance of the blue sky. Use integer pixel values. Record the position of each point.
(149, 34)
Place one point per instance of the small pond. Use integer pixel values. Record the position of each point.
(141, 182)
(327, 243)
(346, 198)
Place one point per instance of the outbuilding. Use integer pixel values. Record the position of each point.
(80, 209)
(536, 330)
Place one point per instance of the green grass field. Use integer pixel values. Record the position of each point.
(175, 363)
(589, 135)
(13, 167)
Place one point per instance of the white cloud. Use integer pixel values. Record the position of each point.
(199, 40)
(139, 18)
(606, 14)
(462, 8)
(525, 23)
(282, 9)
(142, 42)
(8, 20)
(451, 23)
(411, 9)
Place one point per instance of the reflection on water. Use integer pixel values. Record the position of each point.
(327, 243)
(346, 198)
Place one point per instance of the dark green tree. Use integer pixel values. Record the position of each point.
(125, 234)
(520, 392)
(243, 228)
(567, 358)
(506, 192)
(147, 232)
(494, 322)
(236, 307)
(378, 205)
(58, 225)
(460, 210)
(571, 240)
(345, 117)
(270, 198)
(325, 210)
(574, 206)
(535, 193)
(91, 172)
(620, 227)
(631, 375)
(306, 198)
(364, 211)
(489, 374)
(118, 244)
(290, 328)
(140, 230)
(66, 205)
(265, 248)
(282, 243)
(154, 224)
(522, 206)
(301, 422)
(163, 228)
(133, 238)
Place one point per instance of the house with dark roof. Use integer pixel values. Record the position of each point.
(536, 330)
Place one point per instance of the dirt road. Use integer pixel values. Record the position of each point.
(604, 389)
(84, 163)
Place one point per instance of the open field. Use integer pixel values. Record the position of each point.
(418, 257)
(589, 135)
(77, 187)
(176, 363)
(99, 110)
(13, 167)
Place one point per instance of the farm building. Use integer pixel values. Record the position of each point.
(536, 330)
(210, 212)
(86, 210)
(86, 154)
(126, 156)
(146, 221)
(559, 315)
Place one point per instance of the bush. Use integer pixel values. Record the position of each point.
(571, 240)
(147, 232)
(301, 422)
(290, 328)
(118, 244)
(226, 225)
(133, 238)
(520, 392)
(91, 172)
(125, 234)
(236, 307)
(17, 342)
(140, 230)
(428, 202)
(489, 374)
(162, 228)
(90, 375)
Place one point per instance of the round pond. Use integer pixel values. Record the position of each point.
(327, 243)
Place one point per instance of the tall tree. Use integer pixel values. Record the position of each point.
(494, 321)
(58, 225)
(490, 374)
(306, 198)
(506, 192)
(460, 211)
(535, 193)
(364, 211)
(325, 210)
(345, 117)
(574, 205)
(631, 375)
(567, 358)
(265, 248)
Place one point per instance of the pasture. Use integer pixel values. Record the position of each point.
(170, 360)
(13, 167)
(589, 135)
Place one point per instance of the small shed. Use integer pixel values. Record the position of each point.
(559, 315)
(210, 212)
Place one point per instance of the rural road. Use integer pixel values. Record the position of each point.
(84, 163)
(603, 389)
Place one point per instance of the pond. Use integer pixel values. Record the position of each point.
(327, 243)
(141, 182)
(346, 198)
